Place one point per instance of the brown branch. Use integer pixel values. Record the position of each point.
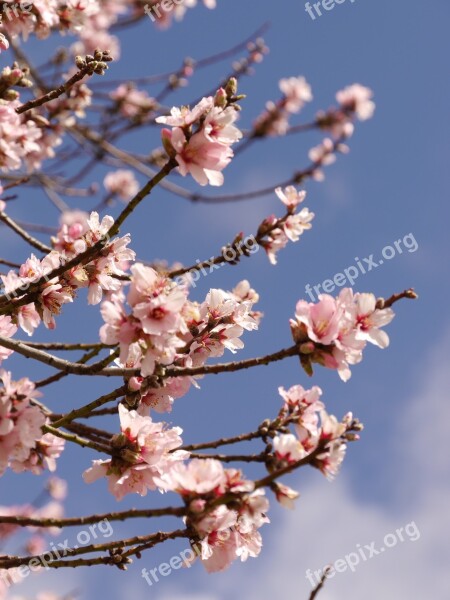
(88, 70)
(232, 457)
(409, 293)
(72, 437)
(8, 562)
(23, 234)
(223, 442)
(58, 376)
(90, 253)
(89, 520)
(88, 408)
(320, 585)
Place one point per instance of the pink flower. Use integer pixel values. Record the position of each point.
(225, 534)
(43, 456)
(20, 423)
(369, 319)
(57, 488)
(133, 103)
(334, 333)
(357, 98)
(285, 495)
(200, 157)
(122, 183)
(201, 139)
(180, 117)
(197, 477)
(4, 44)
(147, 455)
(218, 126)
(297, 92)
(290, 196)
(7, 329)
(288, 448)
(322, 320)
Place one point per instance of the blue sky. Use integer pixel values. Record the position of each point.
(392, 183)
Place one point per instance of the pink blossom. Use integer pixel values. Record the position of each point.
(122, 183)
(147, 455)
(290, 196)
(322, 320)
(7, 329)
(297, 92)
(357, 98)
(334, 332)
(200, 157)
(20, 423)
(4, 44)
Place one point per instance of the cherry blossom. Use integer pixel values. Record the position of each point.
(7, 329)
(274, 234)
(334, 332)
(22, 445)
(145, 454)
(274, 121)
(205, 151)
(224, 534)
(121, 183)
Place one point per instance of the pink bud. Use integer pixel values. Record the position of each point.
(135, 383)
(4, 44)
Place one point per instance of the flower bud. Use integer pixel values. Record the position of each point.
(4, 44)
(220, 98)
(231, 87)
(166, 138)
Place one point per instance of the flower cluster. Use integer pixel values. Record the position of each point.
(355, 102)
(7, 329)
(22, 445)
(145, 452)
(90, 20)
(201, 138)
(164, 327)
(274, 234)
(132, 103)
(225, 534)
(334, 331)
(274, 120)
(77, 234)
(121, 183)
(315, 432)
(20, 139)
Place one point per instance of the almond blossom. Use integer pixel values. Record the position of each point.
(7, 329)
(274, 234)
(146, 453)
(224, 534)
(22, 445)
(334, 331)
(122, 183)
(201, 138)
(355, 102)
(164, 327)
(274, 121)
(77, 234)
